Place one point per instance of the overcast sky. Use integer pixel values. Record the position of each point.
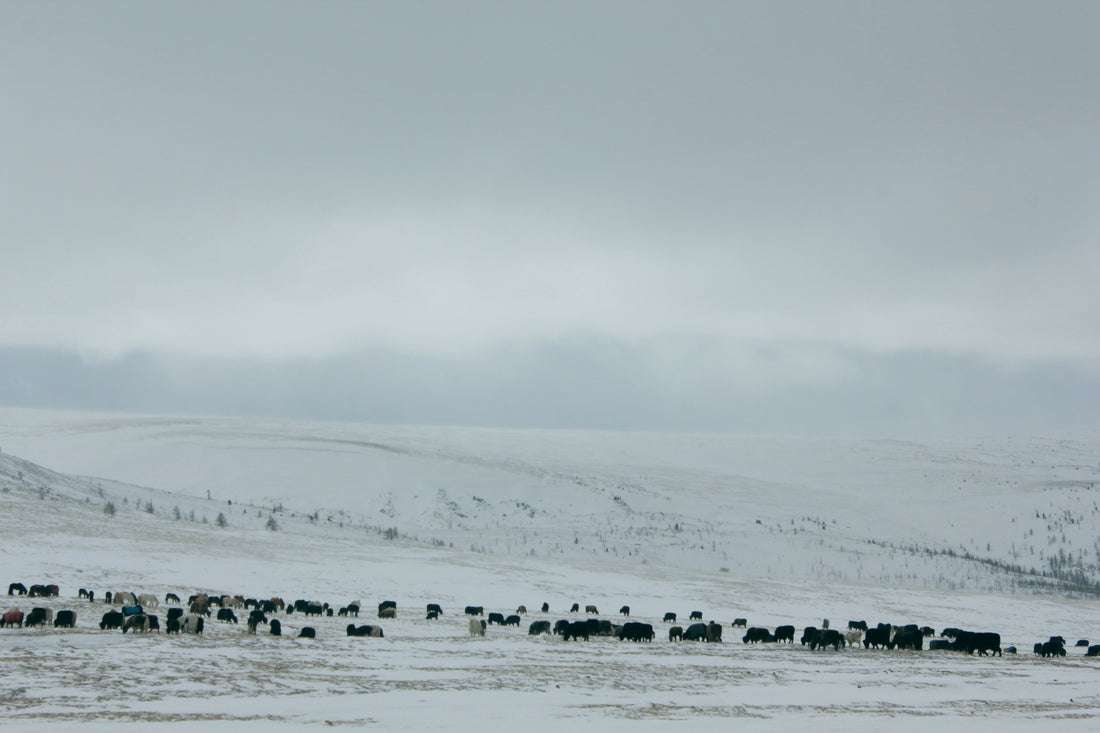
(873, 218)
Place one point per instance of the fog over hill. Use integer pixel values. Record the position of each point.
(989, 515)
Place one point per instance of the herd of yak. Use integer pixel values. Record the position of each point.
(132, 615)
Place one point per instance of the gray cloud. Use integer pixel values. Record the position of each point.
(762, 188)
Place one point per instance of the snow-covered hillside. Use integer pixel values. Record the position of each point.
(432, 674)
(1003, 515)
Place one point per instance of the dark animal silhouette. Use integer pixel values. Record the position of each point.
(65, 619)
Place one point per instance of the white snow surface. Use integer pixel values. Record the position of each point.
(779, 531)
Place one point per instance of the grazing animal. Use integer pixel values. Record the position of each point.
(226, 615)
(126, 598)
(91, 596)
(757, 634)
(171, 598)
(742, 622)
(276, 627)
(477, 627)
(636, 631)
(153, 622)
(175, 613)
(111, 620)
(512, 620)
(1093, 651)
(375, 631)
(907, 639)
(696, 632)
(538, 627)
(353, 609)
(1082, 642)
(436, 608)
(387, 604)
(11, 618)
(561, 627)
(108, 598)
(575, 608)
(827, 637)
(17, 589)
(432, 615)
(591, 609)
(1010, 650)
(255, 618)
(577, 630)
(137, 622)
(808, 635)
(82, 593)
(192, 623)
(785, 633)
(675, 632)
(625, 610)
(980, 642)
(307, 632)
(861, 625)
(148, 599)
(714, 633)
(877, 638)
(496, 618)
(545, 607)
(853, 637)
(317, 609)
(65, 619)
(39, 617)
(172, 626)
(938, 645)
(475, 610)
(1055, 647)
(521, 610)
(695, 615)
(670, 617)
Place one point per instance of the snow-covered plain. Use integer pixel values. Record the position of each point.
(775, 530)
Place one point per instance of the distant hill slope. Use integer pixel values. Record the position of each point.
(1001, 515)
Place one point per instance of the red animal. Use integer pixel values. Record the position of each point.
(11, 618)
